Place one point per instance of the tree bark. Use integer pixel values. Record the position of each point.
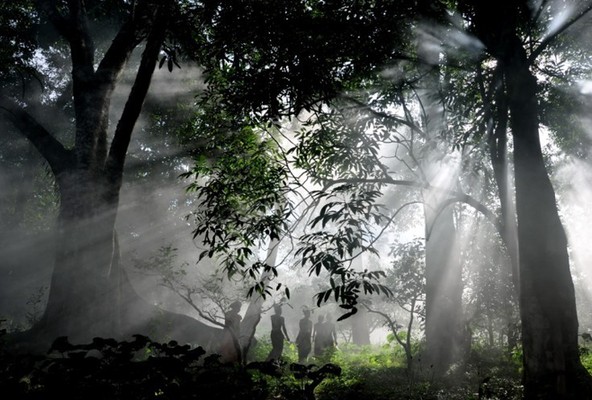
(80, 290)
(552, 367)
(498, 149)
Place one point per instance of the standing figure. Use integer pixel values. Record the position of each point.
(230, 347)
(303, 340)
(278, 333)
(319, 336)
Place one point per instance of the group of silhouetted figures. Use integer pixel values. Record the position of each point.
(322, 335)
(319, 337)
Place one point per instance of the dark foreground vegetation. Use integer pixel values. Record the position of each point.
(143, 369)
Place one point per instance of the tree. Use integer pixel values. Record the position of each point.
(552, 368)
(89, 294)
(510, 40)
(407, 280)
(349, 146)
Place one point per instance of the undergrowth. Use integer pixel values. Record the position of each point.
(143, 369)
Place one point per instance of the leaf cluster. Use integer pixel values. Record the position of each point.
(346, 220)
(338, 143)
(18, 34)
(144, 369)
(240, 188)
(138, 369)
(279, 57)
(407, 277)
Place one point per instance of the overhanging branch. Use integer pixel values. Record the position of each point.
(549, 39)
(73, 28)
(60, 23)
(123, 44)
(455, 196)
(381, 114)
(135, 101)
(56, 155)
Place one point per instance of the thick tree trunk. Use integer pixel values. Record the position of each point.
(498, 149)
(552, 367)
(90, 295)
(249, 325)
(443, 272)
(81, 299)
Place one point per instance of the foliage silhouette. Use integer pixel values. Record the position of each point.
(144, 369)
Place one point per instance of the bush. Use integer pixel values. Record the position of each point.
(140, 369)
(143, 369)
(586, 358)
(380, 373)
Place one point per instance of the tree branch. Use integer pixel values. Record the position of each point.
(549, 39)
(384, 115)
(135, 101)
(74, 29)
(81, 43)
(187, 297)
(58, 157)
(62, 25)
(455, 196)
(123, 44)
(391, 325)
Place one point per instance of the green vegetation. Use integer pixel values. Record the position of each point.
(144, 369)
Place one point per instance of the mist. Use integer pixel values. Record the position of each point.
(154, 207)
(153, 204)
(415, 200)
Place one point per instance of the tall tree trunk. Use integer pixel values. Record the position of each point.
(81, 301)
(443, 321)
(498, 150)
(443, 272)
(552, 367)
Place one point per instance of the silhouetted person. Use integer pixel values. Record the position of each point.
(304, 338)
(278, 333)
(319, 336)
(230, 348)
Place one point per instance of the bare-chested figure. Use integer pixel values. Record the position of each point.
(278, 334)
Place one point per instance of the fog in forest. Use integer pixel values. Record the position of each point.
(155, 206)
(152, 212)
